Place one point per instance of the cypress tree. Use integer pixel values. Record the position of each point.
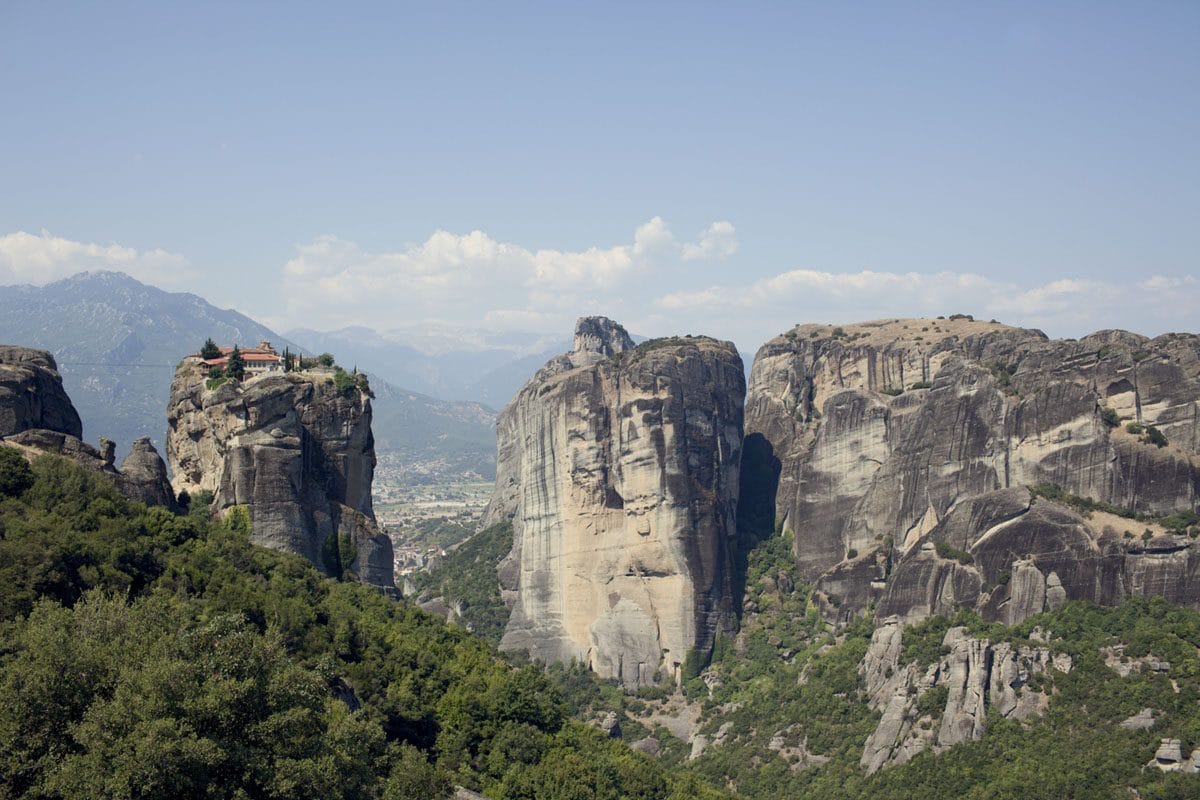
(236, 366)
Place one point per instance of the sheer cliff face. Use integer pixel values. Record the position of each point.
(619, 468)
(32, 394)
(292, 449)
(893, 436)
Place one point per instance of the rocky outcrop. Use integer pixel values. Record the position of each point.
(143, 475)
(296, 451)
(32, 394)
(37, 416)
(1169, 758)
(936, 706)
(619, 468)
(902, 449)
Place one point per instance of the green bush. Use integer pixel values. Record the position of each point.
(944, 550)
(1109, 417)
(15, 474)
(933, 702)
(1155, 437)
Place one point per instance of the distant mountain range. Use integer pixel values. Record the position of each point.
(454, 363)
(117, 342)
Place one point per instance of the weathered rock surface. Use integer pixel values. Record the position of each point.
(975, 676)
(296, 452)
(143, 475)
(32, 394)
(893, 440)
(37, 416)
(1169, 758)
(619, 468)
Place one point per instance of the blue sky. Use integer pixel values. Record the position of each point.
(711, 168)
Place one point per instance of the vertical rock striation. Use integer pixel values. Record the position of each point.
(296, 452)
(619, 468)
(903, 447)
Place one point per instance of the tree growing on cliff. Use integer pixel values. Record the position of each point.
(236, 366)
(210, 349)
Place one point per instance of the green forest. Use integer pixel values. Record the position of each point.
(152, 655)
(147, 654)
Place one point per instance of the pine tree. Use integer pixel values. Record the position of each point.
(210, 349)
(236, 366)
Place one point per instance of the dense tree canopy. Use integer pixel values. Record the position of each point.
(150, 655)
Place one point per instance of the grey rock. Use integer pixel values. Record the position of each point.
(996, 408)
(308, 491)
(611, 725)
(143, 476)
(978, 676)
(1169, 755)
(32, 394)
(108, 450)
(620, 474)
(649, 745)
(1141, 721)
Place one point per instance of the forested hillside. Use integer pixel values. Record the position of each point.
(152, 655)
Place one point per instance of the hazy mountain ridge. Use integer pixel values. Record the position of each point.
(454, 363)
(117, 342)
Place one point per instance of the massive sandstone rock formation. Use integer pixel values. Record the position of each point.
(619, 468)
(902, 449)
(293, 449)
(37, 416)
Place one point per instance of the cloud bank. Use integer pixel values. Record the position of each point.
(472, 278)
(40, 259)
(655, 283)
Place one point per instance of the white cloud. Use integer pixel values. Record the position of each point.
(39, 259)
(472, 277)
(1163, 282)
(717, 241)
